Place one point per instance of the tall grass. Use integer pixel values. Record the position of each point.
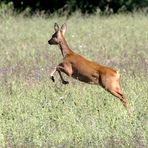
(34, 112)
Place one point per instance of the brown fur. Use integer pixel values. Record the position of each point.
(78, 67)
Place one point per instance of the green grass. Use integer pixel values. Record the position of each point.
(34, 112)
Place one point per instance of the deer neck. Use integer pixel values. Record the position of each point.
(64, 47)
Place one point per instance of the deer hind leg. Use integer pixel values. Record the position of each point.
(112, 85)
(118, 93)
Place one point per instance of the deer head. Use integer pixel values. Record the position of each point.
(58, 35)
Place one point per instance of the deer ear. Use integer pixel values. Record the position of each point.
(56, 27)
(63, 28)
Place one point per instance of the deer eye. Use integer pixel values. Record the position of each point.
(54, 36)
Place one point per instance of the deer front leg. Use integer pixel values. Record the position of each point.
(52, 73)
(62, 79)
(66, 68)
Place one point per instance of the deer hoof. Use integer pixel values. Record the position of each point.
(65, 82)
(52, 78)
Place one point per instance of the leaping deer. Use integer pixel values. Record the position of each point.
(78, 67)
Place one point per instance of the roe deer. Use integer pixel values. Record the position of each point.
(78, 67)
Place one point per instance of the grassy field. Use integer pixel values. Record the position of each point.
(35, 112)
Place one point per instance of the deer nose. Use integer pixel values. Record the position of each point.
(49, 42)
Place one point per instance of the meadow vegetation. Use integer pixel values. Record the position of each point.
(35, 112)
